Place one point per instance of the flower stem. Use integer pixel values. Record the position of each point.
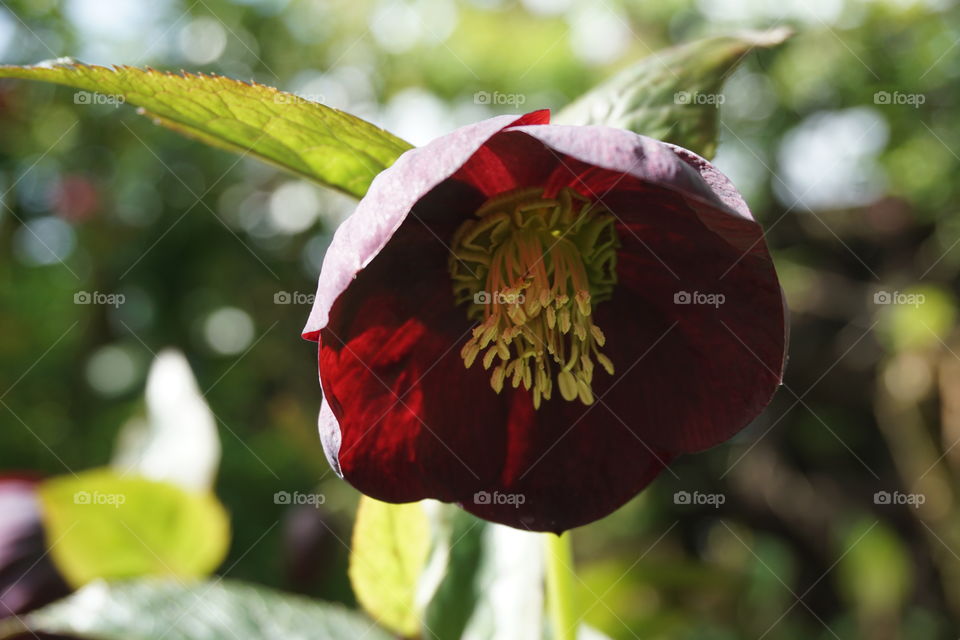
(560, 586)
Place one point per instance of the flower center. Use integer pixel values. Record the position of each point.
(532, 269)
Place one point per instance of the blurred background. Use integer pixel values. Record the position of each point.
(833, 516)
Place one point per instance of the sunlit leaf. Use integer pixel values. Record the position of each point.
(102, 525)
(391, 545)
(415, 567)
(332, 147)
(672, 95)
(222, 610)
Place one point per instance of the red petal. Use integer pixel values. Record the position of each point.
(712, 369)
(406, 409)
(566, 464)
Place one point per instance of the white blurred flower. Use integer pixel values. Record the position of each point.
(178, 441)
(513, 603)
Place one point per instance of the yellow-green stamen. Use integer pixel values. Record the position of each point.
(532, 269)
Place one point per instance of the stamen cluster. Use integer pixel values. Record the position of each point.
(532, 269)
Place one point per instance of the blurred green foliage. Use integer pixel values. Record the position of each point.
(844, 141)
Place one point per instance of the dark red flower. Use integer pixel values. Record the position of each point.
(532, 320)
(28, 578)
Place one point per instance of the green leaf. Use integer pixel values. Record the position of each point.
(391, 545)
(103, 525)
(151, 609)
(672, 95)
(332, 147)
(457, 557)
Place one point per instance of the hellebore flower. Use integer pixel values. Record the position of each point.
(532, 320)
(28, 578)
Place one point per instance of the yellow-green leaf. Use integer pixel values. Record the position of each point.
(391, 544)
(103, 525)
(327, 145)
(672, 95)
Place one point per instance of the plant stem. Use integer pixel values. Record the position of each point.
(560, 586)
